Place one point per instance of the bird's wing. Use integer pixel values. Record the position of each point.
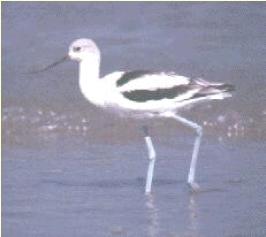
(146, 80)
(144, 86)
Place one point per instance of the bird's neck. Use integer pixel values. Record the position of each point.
(89, 80)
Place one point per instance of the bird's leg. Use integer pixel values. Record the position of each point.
(152, 157)
(193, 163)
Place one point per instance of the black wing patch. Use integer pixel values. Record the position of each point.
(226, 87)
(171, 93)
(213, 89)
(146, 95)
(128, 76)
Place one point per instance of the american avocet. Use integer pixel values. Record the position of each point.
(143, 94)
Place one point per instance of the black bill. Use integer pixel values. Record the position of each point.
(59, 61)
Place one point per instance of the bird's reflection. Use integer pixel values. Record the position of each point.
(193, 216)
(153, 215)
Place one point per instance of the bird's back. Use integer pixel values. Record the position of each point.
(145, 91)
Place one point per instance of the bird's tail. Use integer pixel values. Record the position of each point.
(213, 90)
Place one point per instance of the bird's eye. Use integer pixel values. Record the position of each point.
(76, 49)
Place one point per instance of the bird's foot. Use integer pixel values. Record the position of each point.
(194, 186)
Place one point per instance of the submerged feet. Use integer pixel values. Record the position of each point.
(194, 187)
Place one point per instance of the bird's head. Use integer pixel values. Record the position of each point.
(82, 49)
(79, 50)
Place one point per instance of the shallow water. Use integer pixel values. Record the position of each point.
(98, 190)
(70, 169)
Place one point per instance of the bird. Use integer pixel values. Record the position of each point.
(144, 94)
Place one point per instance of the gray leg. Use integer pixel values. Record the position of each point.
(152, 156)
(193, 164)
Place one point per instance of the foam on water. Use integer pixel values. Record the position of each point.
(22, 124)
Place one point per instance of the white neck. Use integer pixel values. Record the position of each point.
(89, 81)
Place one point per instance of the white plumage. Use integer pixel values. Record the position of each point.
(144, 94)
(155, 81)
